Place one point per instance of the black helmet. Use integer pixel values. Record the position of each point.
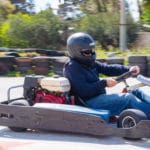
(80, 43)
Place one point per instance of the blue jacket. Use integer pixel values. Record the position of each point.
(85, 81)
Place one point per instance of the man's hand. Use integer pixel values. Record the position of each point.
(111, 82)
(136, 70)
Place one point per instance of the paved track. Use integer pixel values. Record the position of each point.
(37, 140)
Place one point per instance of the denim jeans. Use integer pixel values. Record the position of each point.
(118, 102)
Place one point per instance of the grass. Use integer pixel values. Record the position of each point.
(103, 54)
(29, 72)
(133, 52)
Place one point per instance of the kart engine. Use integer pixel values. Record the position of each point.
(38, 89)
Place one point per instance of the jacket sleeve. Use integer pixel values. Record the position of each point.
(112, 69)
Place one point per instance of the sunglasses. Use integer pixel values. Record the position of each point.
(87, 51)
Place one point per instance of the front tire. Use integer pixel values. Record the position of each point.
(130, 118)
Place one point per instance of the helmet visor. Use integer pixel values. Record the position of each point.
(87, 52)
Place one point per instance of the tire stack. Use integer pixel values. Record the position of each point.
(6, 64)
(115, 61)
(54, 53)
(140, 61)
(58, 65)
(23, 64)
(102, 60)
(41, 65)
(148, 66)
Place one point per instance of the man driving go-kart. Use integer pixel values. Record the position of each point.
(83, 73)
(46, 101)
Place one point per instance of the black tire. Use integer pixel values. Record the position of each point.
(148, 58)
(58, 65)
(130, 118)
(15, 54)
(148, 69)
(6, 64)
(19, 103)
(41, 70)
(102, 60)
(139, 59)
(41, 59)
(23, 60)
(3, 68)
(42, 64)
(24, 64)
(55, 53)
(115, 61)
(23, 69)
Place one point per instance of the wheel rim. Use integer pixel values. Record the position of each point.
(128, 122)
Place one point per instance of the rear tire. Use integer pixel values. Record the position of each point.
(19, 103)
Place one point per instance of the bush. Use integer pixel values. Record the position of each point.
(40, 30)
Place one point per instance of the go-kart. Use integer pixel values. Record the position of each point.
(29, 112)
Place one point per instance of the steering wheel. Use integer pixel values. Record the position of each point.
(125, 76)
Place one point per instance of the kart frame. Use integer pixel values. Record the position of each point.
(50, 117)
(64, 121)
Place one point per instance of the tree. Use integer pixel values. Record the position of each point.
(24, 6)
(5, 8)
(104, 27)
(96, 6)
(145, 11)
(45, 30)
